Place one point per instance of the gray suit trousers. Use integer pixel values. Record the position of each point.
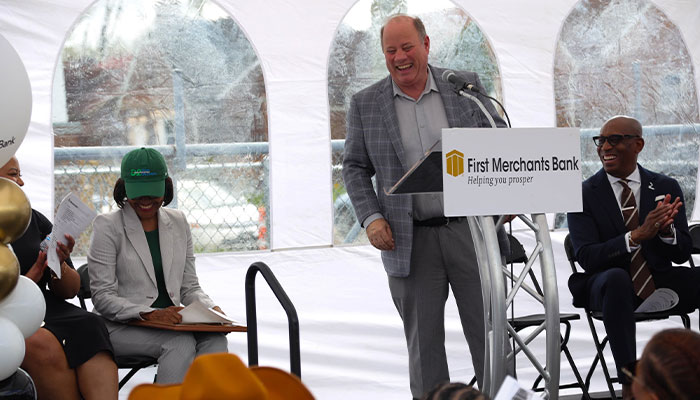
(175, 351)
(442, 258)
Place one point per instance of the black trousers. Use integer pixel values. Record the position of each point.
(611, 292)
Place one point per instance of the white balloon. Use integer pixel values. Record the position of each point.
(11, 348)
(24, 306)
(15, 101)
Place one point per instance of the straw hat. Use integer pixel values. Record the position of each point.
(224, 376)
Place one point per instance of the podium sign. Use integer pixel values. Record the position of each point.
(511, 171)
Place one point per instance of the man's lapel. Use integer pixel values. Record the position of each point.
(453, 109)
(648, 193)
(391, 120)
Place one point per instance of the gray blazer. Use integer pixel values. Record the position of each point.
(373, 147)
(122, 278)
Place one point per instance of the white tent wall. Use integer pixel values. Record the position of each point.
(292, 39)
(352, 342)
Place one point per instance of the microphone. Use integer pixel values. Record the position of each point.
(461, 85)
(458, 82)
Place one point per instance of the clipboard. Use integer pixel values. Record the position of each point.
(189, 327)
(425, 176)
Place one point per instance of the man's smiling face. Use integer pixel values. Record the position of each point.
(620, 160)
(406, 55)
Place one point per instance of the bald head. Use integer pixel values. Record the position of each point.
(417, 24)
(622, 125)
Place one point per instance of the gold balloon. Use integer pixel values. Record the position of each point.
(9, 271)
(15, 211)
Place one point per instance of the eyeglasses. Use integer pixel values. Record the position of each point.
(613, 140)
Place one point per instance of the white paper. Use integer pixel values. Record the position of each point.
(512, 390)
(661, 300)
(199, 313)
(72, 218)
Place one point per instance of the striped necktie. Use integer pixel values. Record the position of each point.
(639, 271)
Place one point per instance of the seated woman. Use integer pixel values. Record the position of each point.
(141, 265)
(70, 356)
(669, 367)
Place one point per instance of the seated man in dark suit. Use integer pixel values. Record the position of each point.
(632, 227)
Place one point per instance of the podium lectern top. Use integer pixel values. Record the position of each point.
(425, 176)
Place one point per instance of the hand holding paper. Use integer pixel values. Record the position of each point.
(72, 218)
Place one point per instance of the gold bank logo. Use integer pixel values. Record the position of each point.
(455, 163)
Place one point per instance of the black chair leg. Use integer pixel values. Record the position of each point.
(686, 320)
(599, 346)
(582, 385)
(128, 376)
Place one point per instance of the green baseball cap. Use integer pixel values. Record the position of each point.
(144, 172)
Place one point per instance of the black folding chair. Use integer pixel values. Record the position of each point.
(598, 315)
(518, 255)
(132, 363)
(695, 236)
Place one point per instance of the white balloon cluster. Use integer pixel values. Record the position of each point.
(22, 305)
(15, 101)
(21, 314)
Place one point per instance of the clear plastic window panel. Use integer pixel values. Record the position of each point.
(179, 76)
(627, 57)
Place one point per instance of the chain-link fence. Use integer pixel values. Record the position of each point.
(222, 189)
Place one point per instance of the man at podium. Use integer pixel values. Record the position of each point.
(390, 125)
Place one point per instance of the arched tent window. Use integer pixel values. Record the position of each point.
(182, 77)
(626, 57)
(356, 61)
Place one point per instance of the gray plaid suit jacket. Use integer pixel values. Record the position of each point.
(373, 147)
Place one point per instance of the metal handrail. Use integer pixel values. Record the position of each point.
(251, 315)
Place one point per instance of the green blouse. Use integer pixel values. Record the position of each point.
(163, 299)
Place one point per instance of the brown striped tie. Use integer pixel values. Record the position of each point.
(640, 273)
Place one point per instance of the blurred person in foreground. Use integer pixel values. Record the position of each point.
(141, 265)
(455, 391)
(223, 376)
(632, 227)
(390, 125)
(669, 367)
(70, 356)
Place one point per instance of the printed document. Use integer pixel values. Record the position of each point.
(661, 300)
(72, 218)
(199, 313)
(512, 390)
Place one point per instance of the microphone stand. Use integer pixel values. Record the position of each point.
(485, 237)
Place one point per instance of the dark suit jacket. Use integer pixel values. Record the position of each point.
(598, 233)
(373, 147)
